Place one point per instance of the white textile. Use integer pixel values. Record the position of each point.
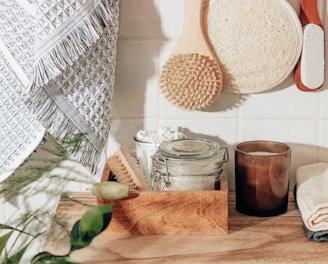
(312, 195)
(73, 71)
(20, 132)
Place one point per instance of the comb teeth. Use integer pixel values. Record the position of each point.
(126, 171)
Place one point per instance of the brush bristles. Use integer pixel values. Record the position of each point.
(120, 172)
(191, 81)
(126, 170)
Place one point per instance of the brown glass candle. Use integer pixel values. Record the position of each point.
(262, 177)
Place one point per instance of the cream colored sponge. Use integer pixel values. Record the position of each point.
(258, 42)
(312, 58)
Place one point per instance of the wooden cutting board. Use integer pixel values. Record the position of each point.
(258, 42)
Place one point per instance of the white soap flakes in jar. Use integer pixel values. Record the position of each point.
(147, 143)
(188, 164)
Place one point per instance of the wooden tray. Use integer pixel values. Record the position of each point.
(171, 212)
(276, 239)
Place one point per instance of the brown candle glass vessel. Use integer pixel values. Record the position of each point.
(262, 177)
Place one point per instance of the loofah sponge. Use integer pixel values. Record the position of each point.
(258, 42)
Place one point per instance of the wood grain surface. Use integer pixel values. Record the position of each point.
(171, 212)
(278, 239)
(168, 213)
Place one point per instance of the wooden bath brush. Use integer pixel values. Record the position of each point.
(125, 170)
(191, 79)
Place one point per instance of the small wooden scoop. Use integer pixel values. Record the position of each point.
(191, 79)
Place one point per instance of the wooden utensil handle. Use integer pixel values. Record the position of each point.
(193, 38)
(309, 12)
(193, 9)
(193, 13)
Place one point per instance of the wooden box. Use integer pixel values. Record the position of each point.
(171, 212)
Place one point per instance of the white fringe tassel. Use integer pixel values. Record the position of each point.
(62, 127)
(55, 60)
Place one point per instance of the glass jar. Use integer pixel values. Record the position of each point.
(188, 164)
(147, 143)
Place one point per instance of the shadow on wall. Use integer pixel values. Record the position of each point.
(138, 49)
(139, 46)
(302, 155)
(228, 100)
(140, 28)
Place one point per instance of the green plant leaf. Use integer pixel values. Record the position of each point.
(14, 259)
(92, 223)
(3, 241)
(77, 239)
(2, 226)
(48, 258)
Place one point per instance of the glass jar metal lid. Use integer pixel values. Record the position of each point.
(189, 149)
(188, 164)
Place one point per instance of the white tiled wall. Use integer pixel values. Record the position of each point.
(148, 32)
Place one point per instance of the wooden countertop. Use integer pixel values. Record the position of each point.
(279, 239)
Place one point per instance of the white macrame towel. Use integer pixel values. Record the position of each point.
(20, 132)
(73, 71)
(312, 195)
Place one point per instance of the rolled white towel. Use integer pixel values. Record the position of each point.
(312, 195)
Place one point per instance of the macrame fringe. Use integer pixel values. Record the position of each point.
(61, 127)
(74, 44)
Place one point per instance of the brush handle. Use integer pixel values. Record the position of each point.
(193, 12)
(193, 37)
(309, 12)
(192, 79)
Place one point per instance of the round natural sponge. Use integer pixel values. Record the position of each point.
(258, 42)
